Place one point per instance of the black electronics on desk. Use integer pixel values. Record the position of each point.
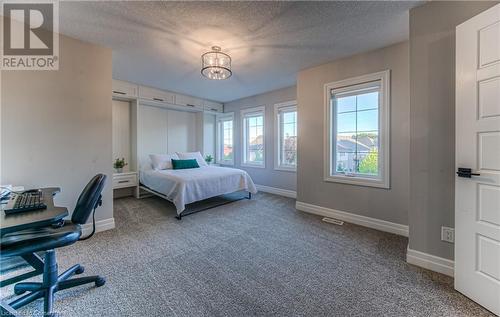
(25, 201)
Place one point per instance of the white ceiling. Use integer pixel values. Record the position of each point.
(159, 43)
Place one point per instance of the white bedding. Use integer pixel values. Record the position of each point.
(185, 186)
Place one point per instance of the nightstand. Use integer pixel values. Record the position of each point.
(125, 180)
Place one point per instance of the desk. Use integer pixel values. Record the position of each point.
(26, 220)
(32, 219)
(35, 218)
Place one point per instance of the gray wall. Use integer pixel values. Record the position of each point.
(386, 204)
(268, 176)
(432, 98)
(56, 125)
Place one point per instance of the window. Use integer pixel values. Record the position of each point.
(285, 116)
(225, 150)
(253, 137)
(357, 130)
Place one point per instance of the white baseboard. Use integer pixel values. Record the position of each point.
(100, 225)
(277, 191)
(430, 262)
(369, 222)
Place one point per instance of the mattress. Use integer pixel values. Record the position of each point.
(185, 186)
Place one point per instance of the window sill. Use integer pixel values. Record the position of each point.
(285, 169)
(357, 180)
(227, 163)
(253, 165)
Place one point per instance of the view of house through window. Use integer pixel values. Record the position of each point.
(286, 120)
(357, 142)
(253, 125)
(356, 119)
(357, 132)
(225, 142)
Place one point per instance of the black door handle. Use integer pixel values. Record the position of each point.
(466, 172)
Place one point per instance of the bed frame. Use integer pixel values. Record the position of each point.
(184, 212)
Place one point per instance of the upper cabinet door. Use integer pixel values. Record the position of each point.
(124, 89)
(156, 95)
(188, 101)
(213, 106)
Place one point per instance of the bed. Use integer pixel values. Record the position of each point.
(185, 186)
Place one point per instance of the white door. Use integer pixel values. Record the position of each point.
(477, 199)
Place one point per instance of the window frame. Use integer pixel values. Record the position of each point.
(383, 180)
(292, 104)
(244, 114)
(220, 118)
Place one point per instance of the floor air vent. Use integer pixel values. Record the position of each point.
(334, 221)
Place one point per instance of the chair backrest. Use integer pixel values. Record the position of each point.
(89, 199)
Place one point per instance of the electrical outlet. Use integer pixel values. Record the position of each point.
(448, 234)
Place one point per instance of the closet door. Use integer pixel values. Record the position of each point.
(181, 131)
(152, 136)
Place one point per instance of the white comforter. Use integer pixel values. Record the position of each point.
(189, 185)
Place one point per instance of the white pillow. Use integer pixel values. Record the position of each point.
(162, 161)
(192, 155)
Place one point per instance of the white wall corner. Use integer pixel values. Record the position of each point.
(430, 262)
(100, 225)
(277, 191)
(369, 222)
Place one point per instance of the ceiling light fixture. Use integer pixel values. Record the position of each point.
(215, 64)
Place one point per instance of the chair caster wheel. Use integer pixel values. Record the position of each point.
(80, 270)
(100, 281)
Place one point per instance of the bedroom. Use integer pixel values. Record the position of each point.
(322, 163)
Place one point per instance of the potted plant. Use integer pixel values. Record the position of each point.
(119, 164)
(209, 158)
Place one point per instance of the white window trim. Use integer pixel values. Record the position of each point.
(243, 113)
(220, 118)
(277, 137)
(384, 132)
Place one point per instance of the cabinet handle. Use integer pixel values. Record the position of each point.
(158, 99)
(121, 182)
(189, 105)
(466, 172)
(213, 109)
(119, 92)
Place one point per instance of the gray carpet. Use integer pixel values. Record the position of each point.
(248, 258)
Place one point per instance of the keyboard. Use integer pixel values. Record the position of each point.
(26, 201)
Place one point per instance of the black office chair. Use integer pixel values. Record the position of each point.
(48, 239)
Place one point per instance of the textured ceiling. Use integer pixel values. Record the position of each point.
(159, 43)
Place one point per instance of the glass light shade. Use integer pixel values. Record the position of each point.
(215, 64)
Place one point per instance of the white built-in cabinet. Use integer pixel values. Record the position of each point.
(123, 89)
(121, 130)
(152, 94)
(211, 106)
(148, 120)
(206, 134)
(190, 102)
